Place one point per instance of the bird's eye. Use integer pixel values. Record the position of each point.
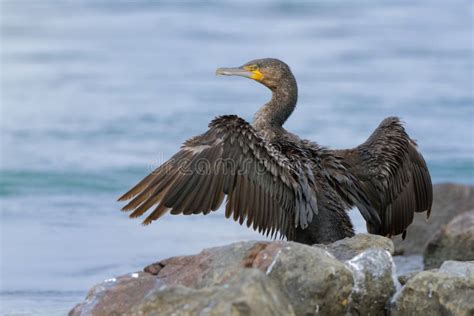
(252, 67)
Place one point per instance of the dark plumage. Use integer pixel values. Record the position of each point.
(281, 184)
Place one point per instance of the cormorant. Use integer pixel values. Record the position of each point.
(281, 184)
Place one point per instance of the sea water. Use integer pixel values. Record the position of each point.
(94, 94)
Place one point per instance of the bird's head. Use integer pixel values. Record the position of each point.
(270, 72)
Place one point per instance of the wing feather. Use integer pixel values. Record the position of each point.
(262, 186)
(393, 175)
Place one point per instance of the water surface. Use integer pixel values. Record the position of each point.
(94, 94)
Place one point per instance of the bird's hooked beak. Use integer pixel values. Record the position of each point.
(243, 71)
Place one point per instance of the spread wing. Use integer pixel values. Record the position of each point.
(394, 176)
(261, 185)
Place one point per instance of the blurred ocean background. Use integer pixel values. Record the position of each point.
(94, 94)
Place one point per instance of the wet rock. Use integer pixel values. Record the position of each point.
(455, 241)
(449, 200)
(347, 248)
(375, 282)
(250, 293)
(447, 291)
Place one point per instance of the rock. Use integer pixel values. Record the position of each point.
(262, 278)
(116, 296)
(459, 268)
(250, 293)
(209, 267)
(313, 280)
(310, 278)
(375, 282)
(403, 278)
(454, 241)
(449, 200)
(447, 291)
(347, 248)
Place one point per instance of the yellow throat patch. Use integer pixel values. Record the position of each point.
(256, 74)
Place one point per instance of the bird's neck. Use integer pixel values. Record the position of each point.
(274, 114)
